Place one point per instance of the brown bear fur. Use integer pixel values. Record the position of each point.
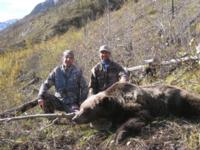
(130, 107)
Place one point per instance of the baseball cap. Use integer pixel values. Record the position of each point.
(104, 48)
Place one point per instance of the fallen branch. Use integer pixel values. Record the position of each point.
(20, 109)
(61, 115)
(163, 63)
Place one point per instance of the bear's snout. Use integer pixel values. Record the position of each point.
(79, 118)
(76, 117)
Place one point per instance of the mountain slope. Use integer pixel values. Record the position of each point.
(42, 7)
(6, 24)
(49, 19)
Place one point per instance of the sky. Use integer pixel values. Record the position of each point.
(16, 9)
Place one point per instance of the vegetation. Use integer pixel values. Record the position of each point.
(138, 30)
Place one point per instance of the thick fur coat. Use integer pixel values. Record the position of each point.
(130, 107)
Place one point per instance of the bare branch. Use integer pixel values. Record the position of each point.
(20, 109)
(168, 62)
(61, 115)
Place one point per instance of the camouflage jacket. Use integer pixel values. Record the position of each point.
(101, 79)
(70, 85)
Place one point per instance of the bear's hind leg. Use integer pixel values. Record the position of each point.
(131, 127)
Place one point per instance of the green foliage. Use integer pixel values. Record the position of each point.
(10, 64)
(187, 78)
(10, 68)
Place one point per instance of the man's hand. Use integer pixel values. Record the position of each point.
(41, 103)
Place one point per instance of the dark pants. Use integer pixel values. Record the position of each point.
(52, 103)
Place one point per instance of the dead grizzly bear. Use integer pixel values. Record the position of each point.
(130, 107)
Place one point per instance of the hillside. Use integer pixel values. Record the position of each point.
(49, 19)
(137, 30)
(6, 24)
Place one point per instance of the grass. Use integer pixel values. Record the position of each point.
(186, 78)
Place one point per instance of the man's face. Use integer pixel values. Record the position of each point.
(104, 55)
(68, 61)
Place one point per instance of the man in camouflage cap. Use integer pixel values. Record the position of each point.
(106, 72)
(70, 87)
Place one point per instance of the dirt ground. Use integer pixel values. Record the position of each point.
(169, 134)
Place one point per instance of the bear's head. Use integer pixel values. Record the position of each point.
(99, 106)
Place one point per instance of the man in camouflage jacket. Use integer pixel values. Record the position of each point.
(70, 87)
(106, 72)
